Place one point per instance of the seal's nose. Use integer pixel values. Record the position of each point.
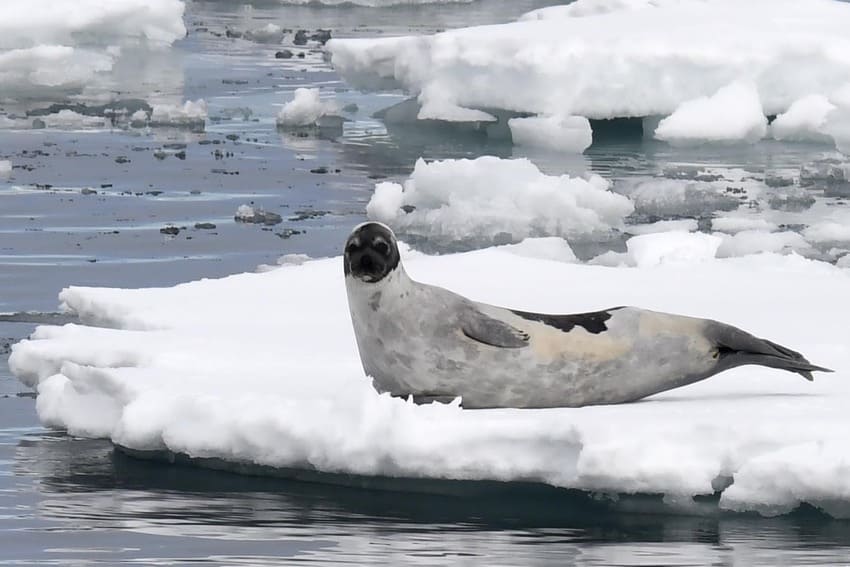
(367, 265)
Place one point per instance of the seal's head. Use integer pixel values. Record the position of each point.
(371, 252)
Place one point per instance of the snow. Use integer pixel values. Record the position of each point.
(190, 369)
(569, 134)
(674, 247)
(493, 200)
(56, 44)
(305, 109)
(804, 120)
(547, 248)
(747, 242)
(5, 167)
(732, 114)
(619, 58)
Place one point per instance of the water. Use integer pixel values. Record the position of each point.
(85, 207)
(71, 501)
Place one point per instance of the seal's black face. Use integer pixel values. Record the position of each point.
(371, 252)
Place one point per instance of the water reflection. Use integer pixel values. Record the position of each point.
(76, 496)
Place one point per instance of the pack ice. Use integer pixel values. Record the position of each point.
(195, 370)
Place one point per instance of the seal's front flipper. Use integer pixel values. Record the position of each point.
(485, 329)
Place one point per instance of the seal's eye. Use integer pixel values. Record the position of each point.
(381, 247)
(351, 248)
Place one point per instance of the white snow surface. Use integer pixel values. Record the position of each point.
(620, 58)
(5, 167)
(304, 109)
(61, 44)
(191, 369)
(583, 8)
(486, 197)
(732, 114)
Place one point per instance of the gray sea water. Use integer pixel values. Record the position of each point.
(86, 207)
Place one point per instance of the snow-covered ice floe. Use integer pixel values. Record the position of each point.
(60, 46)
(307, 109)
(488, 199)
(192, 114)
(715, 69)
(374, 3)
(262, 369)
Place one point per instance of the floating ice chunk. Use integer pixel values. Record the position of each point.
(619, 62)
(489, 200)
(245, 213)
(50, 66)
(804, 121)
(549, 248)
(270, 33)
(305, 109)
(249, 214)
(565, 134)
(732, 114)
(747, 242)
(192, 114)
(672, 198)
(585, 8)
(612, 259)
(55, 45)
(837, 126)
(434, 108)
(686, 225)
(738, 224)
(828, 231)
(675, 247)
(25, 23)
(285, 260)
(5, 167)
(68, 119)
(374, 3)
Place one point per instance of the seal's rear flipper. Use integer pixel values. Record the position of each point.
(737, 348)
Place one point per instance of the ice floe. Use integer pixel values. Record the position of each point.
(604, 58)
(732, 114)
(566, 134)
(191, 114)
(491, 200)
(374, 3)
(305, 109)
(62, 46)
(194, 370)
(804, 120)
